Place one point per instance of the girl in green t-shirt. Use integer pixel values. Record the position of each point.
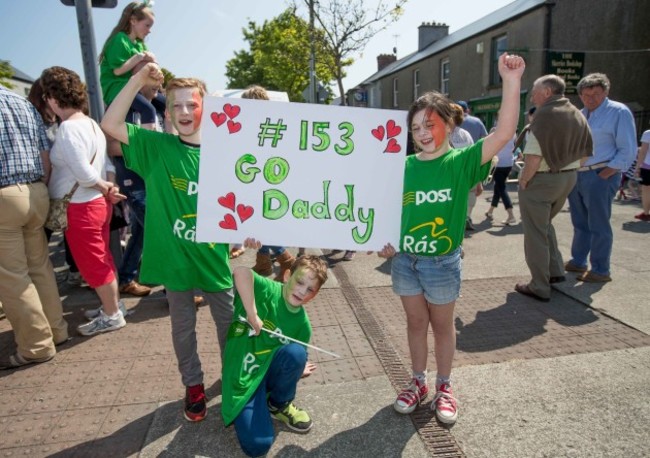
(426, 268)
(123, 51)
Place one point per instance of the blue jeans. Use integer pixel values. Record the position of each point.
(591, 208)
(253, 425)
(277, 250)
(133, 253)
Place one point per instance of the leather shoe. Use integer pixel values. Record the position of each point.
(523, 288)
(591, 277)
(135, 289)
(558, 279)
(573, 268)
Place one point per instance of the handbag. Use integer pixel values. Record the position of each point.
(57, 215)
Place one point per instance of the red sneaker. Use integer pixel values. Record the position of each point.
(642, 216)
(445, 405)
(195, 408)
(409, 398)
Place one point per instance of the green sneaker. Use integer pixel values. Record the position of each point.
(296, 419)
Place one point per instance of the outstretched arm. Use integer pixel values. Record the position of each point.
(511, 68)
(113, 123)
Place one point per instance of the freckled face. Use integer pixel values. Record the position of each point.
(301, 287)
(185, 108)
(430, 132)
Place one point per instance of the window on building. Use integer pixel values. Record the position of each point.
(499, 46)
(416, 84)
(395, 87)
(444, 76)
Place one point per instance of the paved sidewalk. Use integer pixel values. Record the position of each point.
(566, 378)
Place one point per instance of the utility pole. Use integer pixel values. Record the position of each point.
(89, 55)
(313, 98)
(89, 52)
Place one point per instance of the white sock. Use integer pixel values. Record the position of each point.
(421, 376)
(440, 379)
(116, 316)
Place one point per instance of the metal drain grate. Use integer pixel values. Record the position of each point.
(437, 439)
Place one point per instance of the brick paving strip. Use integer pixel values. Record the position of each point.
(436, 438)
(494, 324)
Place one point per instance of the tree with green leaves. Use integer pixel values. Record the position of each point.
(278, 58)
(6, 73)
(348, 26)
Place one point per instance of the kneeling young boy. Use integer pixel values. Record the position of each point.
(261, 372)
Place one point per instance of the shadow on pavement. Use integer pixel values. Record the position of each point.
(516, 321)
(639, 227)
(370, 439)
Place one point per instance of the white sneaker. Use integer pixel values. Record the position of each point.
(102, 324)
(94, 313)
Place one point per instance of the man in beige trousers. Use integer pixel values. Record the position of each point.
(28, 289)
(558, 142)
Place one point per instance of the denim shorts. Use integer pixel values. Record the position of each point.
(438, 277)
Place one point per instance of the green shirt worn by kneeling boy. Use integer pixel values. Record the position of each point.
(247, 359)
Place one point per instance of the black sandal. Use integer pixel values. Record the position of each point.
(524, 289)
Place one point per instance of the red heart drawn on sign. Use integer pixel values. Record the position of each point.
(378, 133)
(393, 146)
(231, 110)
(392, 130)
(218, 118)
(228, 223)
(227, 201)
(244, 212)
(234, 127)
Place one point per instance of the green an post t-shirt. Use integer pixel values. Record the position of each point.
(247, 359)
(117, 51)
(434, 203)
(171, 257)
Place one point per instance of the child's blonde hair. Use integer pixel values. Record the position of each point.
(185, 83)
(137, 10)
(314, 264)
(255, 92)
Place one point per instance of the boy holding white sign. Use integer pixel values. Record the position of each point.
(261, 372)
(426, 272)
(169, 165)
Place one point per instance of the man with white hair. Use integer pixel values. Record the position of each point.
(559, 140)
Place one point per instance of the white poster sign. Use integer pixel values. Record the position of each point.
(292, 174)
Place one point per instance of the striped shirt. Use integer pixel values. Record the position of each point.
(22, 138)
